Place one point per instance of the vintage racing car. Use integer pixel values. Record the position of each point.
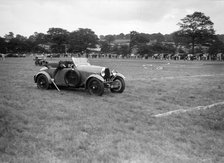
(79, 73)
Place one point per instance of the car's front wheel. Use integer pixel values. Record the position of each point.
(42, 82)
(118, 85)
(95, 87)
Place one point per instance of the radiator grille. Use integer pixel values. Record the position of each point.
(107, 73)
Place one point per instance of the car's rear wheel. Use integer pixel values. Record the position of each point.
(118, 85)
(95, 87)
(42, 82)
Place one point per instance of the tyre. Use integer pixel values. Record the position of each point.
(95, 87)
(42, 82)
(72, 78)
(119, 85)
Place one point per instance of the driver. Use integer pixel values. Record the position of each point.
(60, 66)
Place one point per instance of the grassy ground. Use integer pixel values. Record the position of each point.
(46, 126)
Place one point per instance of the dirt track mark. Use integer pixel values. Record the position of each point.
(188, 110)
(177, 77)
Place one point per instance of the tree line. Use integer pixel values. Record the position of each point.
(195, 29)
(56, 40)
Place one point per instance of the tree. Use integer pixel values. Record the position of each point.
(21, 44)
(124, 50)
(105, 47)
(81, 39)
(59, 38)
(38, 38)
(34, 41)
(2, 45)
(198, 27)
(120, 36)
(137, 39)
(221, 37)
(109, 38)
(102, 37)
(9, 36)
(157, 36)
(179, 39)
(217, 46)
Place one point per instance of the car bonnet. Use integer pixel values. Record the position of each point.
(90, 68)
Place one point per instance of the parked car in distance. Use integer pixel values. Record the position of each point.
(15, 55)
(79, 73)
(40, 60)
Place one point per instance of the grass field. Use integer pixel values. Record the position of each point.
(44, 126)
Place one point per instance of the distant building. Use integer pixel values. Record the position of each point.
(94, 52)
(121, 42)
(47, 47)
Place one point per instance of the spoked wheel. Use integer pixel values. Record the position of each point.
(95, 87)
(118, 85)
(42, 82)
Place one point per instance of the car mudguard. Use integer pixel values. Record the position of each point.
(94, 76)
(44, 73)
(118, 74)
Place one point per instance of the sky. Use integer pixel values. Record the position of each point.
(25, 17)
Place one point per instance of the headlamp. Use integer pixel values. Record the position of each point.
(103, 72)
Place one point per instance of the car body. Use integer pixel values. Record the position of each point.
(79, 73)
(40, 60)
